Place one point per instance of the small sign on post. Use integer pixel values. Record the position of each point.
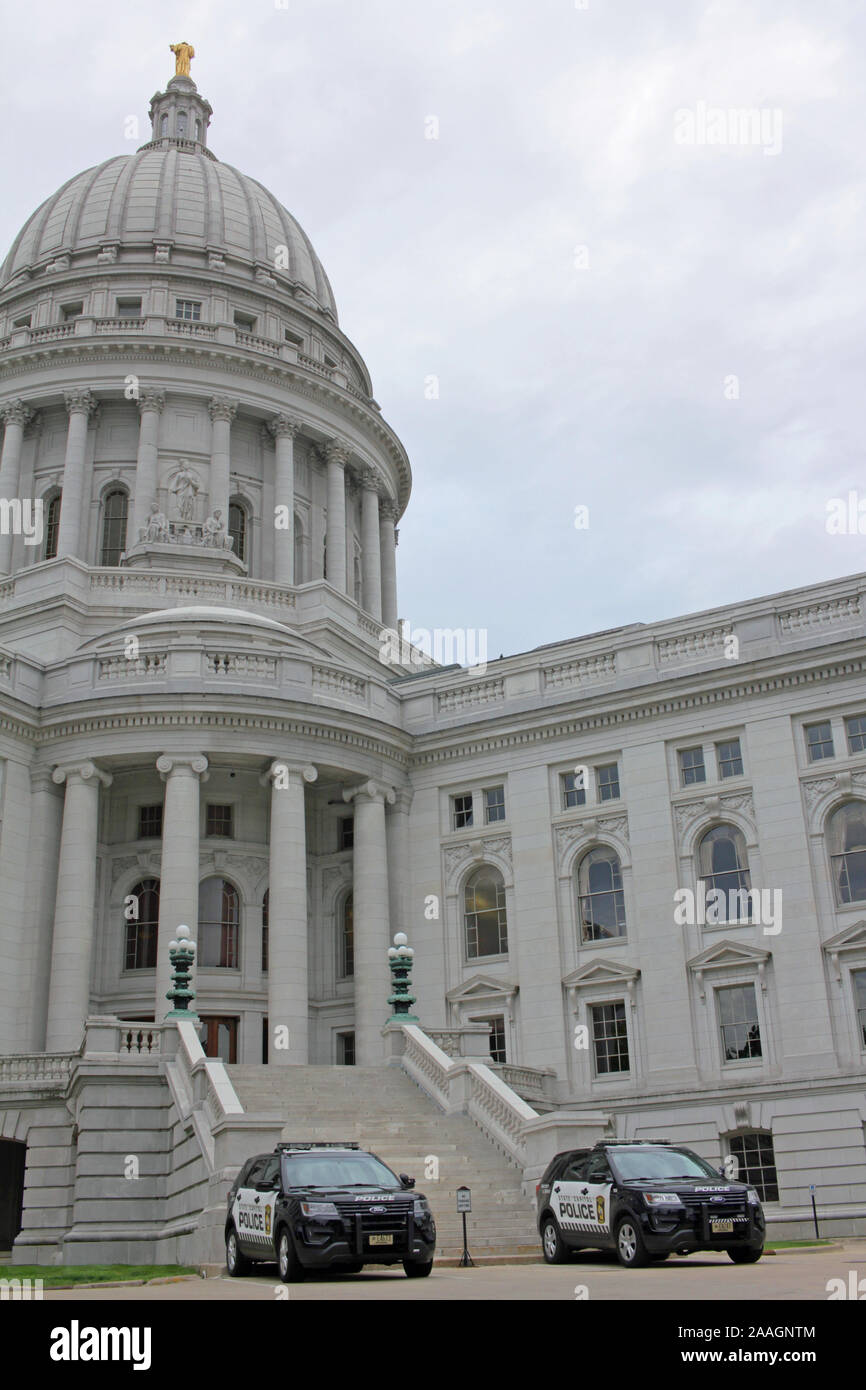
(464, 1204)
(814, 1211)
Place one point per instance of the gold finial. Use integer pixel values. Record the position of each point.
(182, 54)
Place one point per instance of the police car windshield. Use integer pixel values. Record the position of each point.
(343, 1170)
(659, 1165)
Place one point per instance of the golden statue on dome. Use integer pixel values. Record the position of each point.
(182, 54)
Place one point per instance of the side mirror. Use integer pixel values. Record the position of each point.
(406, 1180)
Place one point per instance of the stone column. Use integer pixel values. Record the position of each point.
(179, 871)
(371, 919)
(222, 412)
(388, 556)
(284, 428)
(80, 406)
(337, 455)
(150, 407)
(15, 415)
(74, 912)
(46, 826)
(370, 564)
(397, 827)
(288, 990)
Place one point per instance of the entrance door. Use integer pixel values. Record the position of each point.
(12, 1158)
(219, 1038)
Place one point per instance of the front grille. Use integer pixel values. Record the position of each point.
(730, 1206)
(362, 1222)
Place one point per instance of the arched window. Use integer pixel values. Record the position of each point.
(52, 524)
(163, 126)
(219, 915)
(357, 581)
(198, 130)
(238, 529)
(600, 897)
(299, 551)
(724, 867)
(484, 917)
(846, 837)
(181, 125)
(114, 515)
(141, 921)
(266, 910)
(346, 943)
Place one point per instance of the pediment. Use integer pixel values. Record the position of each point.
(480, 987)
(722, 954)
(601, 972)
(851, 938)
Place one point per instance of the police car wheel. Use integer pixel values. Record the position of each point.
(745, 1255)
(288, 1264)
(629, 1244)
(236, 1263)
(417, 1269)
(552, 1244)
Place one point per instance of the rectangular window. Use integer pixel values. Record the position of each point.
(346, 1049)
(607, 781)
(219, 821)
(246, 322)
(68, 312)
(294, 338)
(494, 804)
(461, 811)
(856, 729)
(859, 980)
(692, 766)
(24, 321)
(497, 1036)
(730, 758)
(188, 309)
(819, 741)
(756, 1163)
(347, 832)
(573, 789)
(149, 822)
(738, 1022)
(609, 1038)
(129, 308)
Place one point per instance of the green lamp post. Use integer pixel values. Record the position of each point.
(181, 953)
(400, 957)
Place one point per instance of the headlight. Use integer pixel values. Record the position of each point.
(662, 1199)
(319, 1209)
(752, 1198)
(422, 1207)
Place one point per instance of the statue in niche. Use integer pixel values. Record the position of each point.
(215, 533)
(184, 489)
(156, 527)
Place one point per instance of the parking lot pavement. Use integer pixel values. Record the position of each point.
(792, 1275)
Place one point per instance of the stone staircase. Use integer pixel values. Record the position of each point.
(383, 1110)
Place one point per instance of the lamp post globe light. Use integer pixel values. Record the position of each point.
(181, 954)
(400, 958)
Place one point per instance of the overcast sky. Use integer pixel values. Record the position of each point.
(620, 315)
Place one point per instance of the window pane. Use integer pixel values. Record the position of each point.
(219, 821)
(692, 766)
(238, 530)
(573, 789)
(756, 1163)
(730, 758)
(484, 914)
(141, 934)
(494, 804)
(722, 864)
(608, 782)
(610, 1038)
(859, 979)
(856, 734)
(219, 919)
(52, 526)
(738, 1015)
(149, 822)
(601, 901)
(462, 811)
(846, 833)
(819, 741)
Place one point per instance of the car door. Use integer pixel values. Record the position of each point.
(596, 1191)
(571, 1203)
(248, 1212)
(268, 1188)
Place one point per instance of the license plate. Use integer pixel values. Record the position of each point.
(381, 1240)
(721, 1228)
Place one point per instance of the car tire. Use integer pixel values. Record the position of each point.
(290, 1269)
(745, 1255)
(417, 1269)
(237, 1263)
(553, 1247)
(630, 1249)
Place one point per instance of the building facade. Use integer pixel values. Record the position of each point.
(639, 857)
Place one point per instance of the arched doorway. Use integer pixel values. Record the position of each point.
(12, 1157)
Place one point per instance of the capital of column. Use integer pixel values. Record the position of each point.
(371, 791)
(369, 479)
(86, 771)
(337, 452)
(194, 763)
(284, 426)
(149, 399)
(403, 797)
(82, 402)
(16, 412)
(279, 773)
(388, 509)
(42, 779)
(221, 408)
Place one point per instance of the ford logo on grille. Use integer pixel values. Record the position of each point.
(377, 1208)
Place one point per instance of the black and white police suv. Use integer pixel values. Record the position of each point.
(645, 1199)
(318, 1206)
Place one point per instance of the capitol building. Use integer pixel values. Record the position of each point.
(632, 865)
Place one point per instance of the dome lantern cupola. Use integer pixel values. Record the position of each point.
(180, 118)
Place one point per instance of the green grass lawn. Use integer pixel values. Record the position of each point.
(58, 1276)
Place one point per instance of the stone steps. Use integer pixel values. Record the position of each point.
(383, 1110)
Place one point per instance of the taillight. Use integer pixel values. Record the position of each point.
(537, 1188)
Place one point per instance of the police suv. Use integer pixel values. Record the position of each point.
(645, 1199)
(317, 1206)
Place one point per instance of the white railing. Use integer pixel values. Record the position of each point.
(200, 1088)
(21, 1071)
(194, 586)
